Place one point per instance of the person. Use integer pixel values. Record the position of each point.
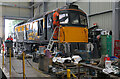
(98, 45)
(56, 18)
(110, 33)
(9, 44)
(56, 23)
(3, 46)
(10, 38)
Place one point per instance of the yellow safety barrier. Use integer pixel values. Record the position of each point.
(74, 75)
(10, 62)
(23, 54)
(3, 58)
(68, 73)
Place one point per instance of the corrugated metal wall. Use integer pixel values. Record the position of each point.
(12, 12)
(84, 6)
(96, 7)
(49, 7)
(104, 21)
(60, 4)
(16, 12)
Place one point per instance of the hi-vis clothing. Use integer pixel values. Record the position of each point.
(55, 35)
(56, 23)
(10, 38)
(56, 19)
(3, 47)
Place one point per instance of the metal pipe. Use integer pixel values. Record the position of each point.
(33, 5)
(36, 12)
(88, 13)
(36, 5)
(107, 11)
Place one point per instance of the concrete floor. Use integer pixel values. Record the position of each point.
(17, 64)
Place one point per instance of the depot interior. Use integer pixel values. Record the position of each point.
(85, 43)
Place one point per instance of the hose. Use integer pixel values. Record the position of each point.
(34, 67)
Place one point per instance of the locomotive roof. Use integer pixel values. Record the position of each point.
(67, 7)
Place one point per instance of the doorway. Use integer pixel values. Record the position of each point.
(9, 27)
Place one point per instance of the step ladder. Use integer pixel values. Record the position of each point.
(51, 42)
(17, 36)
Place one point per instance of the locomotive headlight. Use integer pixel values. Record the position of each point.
(85, 30)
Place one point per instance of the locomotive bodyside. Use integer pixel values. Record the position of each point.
(73, 29)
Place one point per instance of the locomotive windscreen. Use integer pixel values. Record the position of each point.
(75, 18)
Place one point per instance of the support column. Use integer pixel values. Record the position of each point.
(2, 24)
(44, 7)
(116, 23)
(32, 10)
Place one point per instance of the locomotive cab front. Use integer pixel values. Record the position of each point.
(73, 26)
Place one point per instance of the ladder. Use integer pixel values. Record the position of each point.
(17, 36)
(51, 42)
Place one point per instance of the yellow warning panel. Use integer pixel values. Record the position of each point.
(73, 34)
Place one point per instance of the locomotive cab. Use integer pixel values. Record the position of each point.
(73, 32)
(73, 26)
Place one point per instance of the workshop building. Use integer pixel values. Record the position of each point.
(60, 39)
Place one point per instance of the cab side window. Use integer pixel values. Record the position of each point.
(20, 28)
(40, 27)
(83, 20)
(49, 21)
